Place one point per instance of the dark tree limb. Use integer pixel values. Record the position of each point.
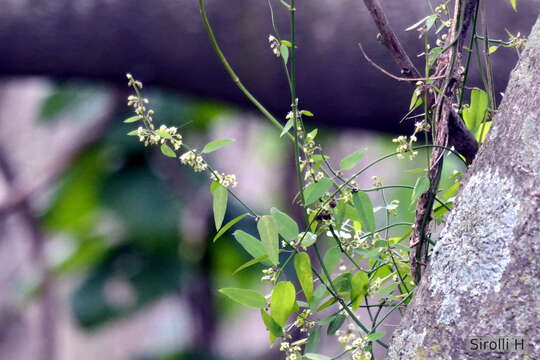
(459, 137)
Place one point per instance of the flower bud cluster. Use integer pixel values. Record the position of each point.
(274, 45)
(191, 158)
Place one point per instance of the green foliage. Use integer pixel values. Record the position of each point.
(269, 237)
(283, 302)
(364, 209)
(219, 204)
(216, 145)
(350, 161)
(245, 297)
(302, 265)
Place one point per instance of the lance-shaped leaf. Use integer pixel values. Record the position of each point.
(269, 237)
(364, 209)
(216, 144)
(219, 203)
(302, 265)
(245, 297)
(315, 191)
(252, 245)
(228, 225)
(350, 161)
(272, 326)
(283, 302)
(359, 288)
(287, 227)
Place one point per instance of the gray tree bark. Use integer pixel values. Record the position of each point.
(484, 275)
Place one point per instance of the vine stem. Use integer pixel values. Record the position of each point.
(232, 74)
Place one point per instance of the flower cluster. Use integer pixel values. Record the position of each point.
(351, 342)
(225, 180)
(190, 158)
(274, 45)
(270, 274)
(302, 322)
(405, 146)
(291, 350)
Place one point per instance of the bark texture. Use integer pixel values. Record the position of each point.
(484, 275)
(163, 43)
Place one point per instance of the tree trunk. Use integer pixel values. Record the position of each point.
(484, 275)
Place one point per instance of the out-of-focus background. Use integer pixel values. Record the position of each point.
(106, 246)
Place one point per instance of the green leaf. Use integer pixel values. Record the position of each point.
(302, 265)
(245, 297)
(474, 114)
(282, 302)
(336, 323)
(133, 132)
(313, 341)
(312, 356)
(271, 325)
(269, 237)
(216, 144)
(306, 113)
(514, 4)
(416, 101)
(331, 259)
(319, 293)
(327, 303)
(219, 204)
(375, 336)
(228, 225)
(350, 161)
(250, 263)
(251, 244)
(430, 20)
(287, 127)
(313, 192)
(308, 239)
(284, 51)
(364, 209)
(492, 49)
(287, 227)
(167, 151)
(414, 26)
(420, 187)
(163, 134)
(133, 119)
(434, 55)
(286, 43)
(359, 288)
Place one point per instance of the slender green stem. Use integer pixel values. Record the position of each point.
(232, 74)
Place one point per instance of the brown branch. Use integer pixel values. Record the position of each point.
(21, 192)
(459, 136)
(390, 40)
(448, 64)
(387, 73)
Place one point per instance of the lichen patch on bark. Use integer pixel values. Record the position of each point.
(475, 246)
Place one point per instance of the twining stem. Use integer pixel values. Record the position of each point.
(232, 74)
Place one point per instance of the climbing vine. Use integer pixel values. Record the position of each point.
(344, 258)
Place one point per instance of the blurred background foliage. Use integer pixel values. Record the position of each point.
(128, 227)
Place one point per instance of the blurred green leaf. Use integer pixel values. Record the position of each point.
(282, 302)
(219, 204)
(287, 227)
(269, 237)
(167, 151)
(350, 161)
(245, 297)
(228, 225)
(364, 209)
(315, 191)
(216, 145)
(302, 265)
